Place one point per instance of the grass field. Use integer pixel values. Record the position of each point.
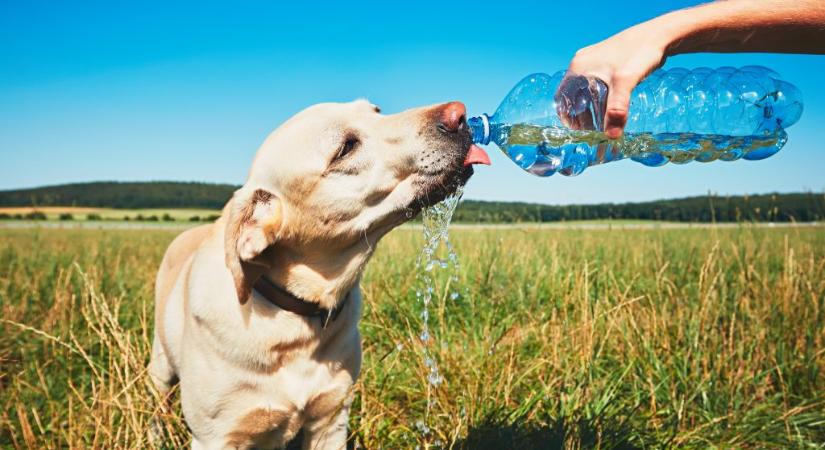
(611, 339)
(80, 213)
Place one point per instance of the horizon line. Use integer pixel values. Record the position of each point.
(212, 183)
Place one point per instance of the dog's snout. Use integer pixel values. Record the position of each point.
(452, 117)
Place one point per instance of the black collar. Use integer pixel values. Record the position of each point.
(285, 300)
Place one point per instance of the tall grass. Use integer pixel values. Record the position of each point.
(562, 339)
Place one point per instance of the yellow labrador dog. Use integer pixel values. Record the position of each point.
(257, 315)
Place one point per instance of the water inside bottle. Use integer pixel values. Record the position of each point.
(544, 151)
(438, 254)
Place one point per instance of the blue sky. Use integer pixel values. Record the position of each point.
(187, 91)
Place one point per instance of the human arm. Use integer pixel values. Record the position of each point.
(621, 61)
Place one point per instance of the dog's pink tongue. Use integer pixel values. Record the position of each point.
(476, 155)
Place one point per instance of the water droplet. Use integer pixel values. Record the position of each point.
(422, 427)
(436, 220)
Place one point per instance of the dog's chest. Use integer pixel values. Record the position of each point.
(276, 407)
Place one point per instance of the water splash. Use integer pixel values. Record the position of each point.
(436, 221)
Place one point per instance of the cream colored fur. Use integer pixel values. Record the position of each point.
(251, 374)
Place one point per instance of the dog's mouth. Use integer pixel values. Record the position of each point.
(456, 168)
(437, 189)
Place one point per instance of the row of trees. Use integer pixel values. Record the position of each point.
(39, 215)
(132, 195)
(803, 207)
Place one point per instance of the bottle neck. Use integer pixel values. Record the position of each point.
(480, 128)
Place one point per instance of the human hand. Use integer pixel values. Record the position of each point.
(621, 61)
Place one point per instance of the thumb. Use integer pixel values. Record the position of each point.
(618, 103)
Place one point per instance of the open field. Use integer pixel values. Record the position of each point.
(563, 338)
(115, 216)
(593, 225)
(80, 214)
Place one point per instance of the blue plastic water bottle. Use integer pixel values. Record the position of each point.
(675, 115)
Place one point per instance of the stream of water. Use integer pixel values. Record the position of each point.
(438, 254)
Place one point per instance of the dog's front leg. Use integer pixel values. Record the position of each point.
(163, 377)
(328, 433)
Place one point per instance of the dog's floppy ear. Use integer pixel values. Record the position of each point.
(254, 223)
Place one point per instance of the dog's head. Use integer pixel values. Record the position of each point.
(330, 182)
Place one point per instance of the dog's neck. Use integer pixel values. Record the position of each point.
(321, 279)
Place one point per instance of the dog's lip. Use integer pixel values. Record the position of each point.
(441, 189)
(441, 184)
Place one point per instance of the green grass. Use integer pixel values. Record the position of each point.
(611, 339)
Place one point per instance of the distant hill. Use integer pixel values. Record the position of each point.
(801, 207)
(128, 195)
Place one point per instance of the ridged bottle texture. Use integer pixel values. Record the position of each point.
(553, 123)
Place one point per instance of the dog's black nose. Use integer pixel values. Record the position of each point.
(452, 117)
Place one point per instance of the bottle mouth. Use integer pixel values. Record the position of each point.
(480, 129)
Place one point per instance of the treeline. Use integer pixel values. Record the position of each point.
(801, 207)
(166, 217)
(128, 195)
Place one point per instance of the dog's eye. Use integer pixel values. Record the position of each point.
(349, 145)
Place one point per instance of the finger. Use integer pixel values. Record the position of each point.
(618, 103)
